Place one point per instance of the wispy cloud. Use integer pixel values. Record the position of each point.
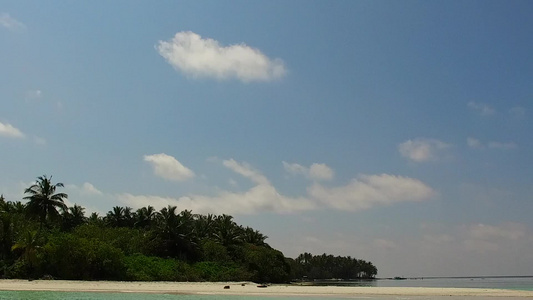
(167, 167)
(482, 108)
(263, 197)
(7, 130)
(477, 144)
(195, 56)
(34, 94)
(368, 191)
(503, 146)
(314, 172)
(10, 23)
(365, 192)
(474, 143)
(423, 150)
(245, 170)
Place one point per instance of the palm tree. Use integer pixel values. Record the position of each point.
(254, 237)
(43, 202)
(227, 232)
(29, 245)
(73, 217)
(144, 217)
(204, 226)
(115, 217)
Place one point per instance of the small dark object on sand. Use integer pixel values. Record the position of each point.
(226, 287)
(244, 284)
(262, 286)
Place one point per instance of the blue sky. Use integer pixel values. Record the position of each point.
(393, 131)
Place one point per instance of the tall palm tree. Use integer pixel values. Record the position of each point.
(227, 232)
(115, 217)
(43, 201)
(251, 236)
(73, 217)
(144, 217)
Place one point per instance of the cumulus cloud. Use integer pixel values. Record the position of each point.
(423, 150)
(90, 189)
(195, 56)
(8, 130)
(315, 172)
(167, 167)
(362, 193)
(368, 191)
(263, 197)
(482, 108)
(10, 23)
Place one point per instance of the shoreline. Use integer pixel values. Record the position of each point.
(248, 289)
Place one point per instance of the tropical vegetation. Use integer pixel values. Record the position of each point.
(43, 237)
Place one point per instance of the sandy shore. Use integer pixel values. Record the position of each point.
(248, 288)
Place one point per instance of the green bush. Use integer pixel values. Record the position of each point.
(151, 268)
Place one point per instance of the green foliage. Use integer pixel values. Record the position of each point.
(68, 256)
(328, 266)
(216, 271)
(150, 268)
(145, 245)
(267, 265)
(214, 252)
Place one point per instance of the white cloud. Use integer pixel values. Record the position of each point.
(481, 108)
(263, 197)
(372, 190)
(315, 172)
(477, 144)
(503, 146)
(167, 167)
(512, 231)
(473, 143)
(9, 22)
(483, 238)
(90, 189)
(193, 55)
(423, 150)
(246, 170)
(8, 130)
(260, 198)
(34, 94)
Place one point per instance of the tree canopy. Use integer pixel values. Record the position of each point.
(44, 237)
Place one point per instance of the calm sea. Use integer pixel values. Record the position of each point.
(513, 283)
(522, 283)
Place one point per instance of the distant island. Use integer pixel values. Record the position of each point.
(43, 238)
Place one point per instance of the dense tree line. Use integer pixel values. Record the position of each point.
(45, 238)
(312, 267)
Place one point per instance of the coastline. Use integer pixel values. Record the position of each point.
(249, 288)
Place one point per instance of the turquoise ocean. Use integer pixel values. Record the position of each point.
(521, 283)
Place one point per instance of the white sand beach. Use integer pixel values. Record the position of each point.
(249, 288)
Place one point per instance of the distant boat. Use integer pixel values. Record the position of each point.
(399, 278)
